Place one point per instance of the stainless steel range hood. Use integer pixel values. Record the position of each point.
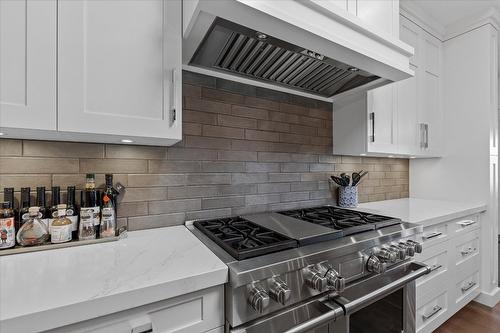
(234, 49)
(304, 48)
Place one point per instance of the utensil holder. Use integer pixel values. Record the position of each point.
(348, 196)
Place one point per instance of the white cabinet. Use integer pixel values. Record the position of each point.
(198, 312)
(118, 70)
(452, 251)
(382, 119)
(382, 14)
(401, 119)
(28, 64)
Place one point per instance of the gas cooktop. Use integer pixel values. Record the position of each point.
(348, 221)
(244, 239)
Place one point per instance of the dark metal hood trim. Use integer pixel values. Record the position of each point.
(234, 49)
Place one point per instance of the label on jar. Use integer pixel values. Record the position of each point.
(7, 233)
(108, 222)
(60, 233)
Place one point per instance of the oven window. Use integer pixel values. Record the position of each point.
(383, 316)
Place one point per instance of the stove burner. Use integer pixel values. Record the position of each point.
(244, 239)
(349, 221)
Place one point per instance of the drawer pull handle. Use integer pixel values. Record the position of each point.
(432, 235)
(468, 251)
(435, 310)
(468, 286)
(466, 223)
(435, 267)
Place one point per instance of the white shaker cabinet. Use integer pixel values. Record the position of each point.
(402, 119)
(28, 64)
(119, 67)
(92, 71)
(382, 14)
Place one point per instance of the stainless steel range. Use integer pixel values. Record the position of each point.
(320, 269)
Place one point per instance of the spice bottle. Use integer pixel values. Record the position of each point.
(60, 229)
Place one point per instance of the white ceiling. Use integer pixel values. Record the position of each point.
(448, 11)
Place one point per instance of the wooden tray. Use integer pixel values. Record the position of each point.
(49, 246)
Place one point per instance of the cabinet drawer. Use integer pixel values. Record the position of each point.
(435, 257)
(463, 225)
(432, 312)
(466, 248)
(434, 234)
(466, 289)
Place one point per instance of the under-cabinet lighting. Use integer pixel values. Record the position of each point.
(391, 156)
(1, 133)
(412, 156)
(127, 141)
(362, 154)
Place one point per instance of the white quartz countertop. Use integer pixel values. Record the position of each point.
(48, 289)
(422, 211)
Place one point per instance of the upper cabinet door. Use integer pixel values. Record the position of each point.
(381, 120)
(28, 64)
(383, 14)
(119, 67)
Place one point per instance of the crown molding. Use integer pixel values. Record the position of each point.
(420, 17)
(488, 16)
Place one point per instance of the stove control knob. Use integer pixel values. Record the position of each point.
(258, 298)
(335, 281)
(410, 249)
(401, 251)
(279, 291)
(374, 265)
(315, 280)
(387, 255)
(418, 246)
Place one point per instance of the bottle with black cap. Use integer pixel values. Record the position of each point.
(25, 205)
(90, 211)
(8, 196)
(72, 211)
(56, 200)
(42, 204)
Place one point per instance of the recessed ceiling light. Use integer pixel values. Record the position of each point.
(127, 141)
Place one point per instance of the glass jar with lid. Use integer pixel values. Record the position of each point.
(33, 231)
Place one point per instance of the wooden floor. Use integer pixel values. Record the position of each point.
(474, 318)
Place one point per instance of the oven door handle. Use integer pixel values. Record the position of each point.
(416, 269)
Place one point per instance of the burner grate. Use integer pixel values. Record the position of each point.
(244, 239)
(348, 221)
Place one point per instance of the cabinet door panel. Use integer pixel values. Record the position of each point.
(406, 107)
(119, 67)
(28, 64)
(409, 33)
(381, 134)
(380, 13)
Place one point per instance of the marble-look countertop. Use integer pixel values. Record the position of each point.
(422, 211)
(48, 289)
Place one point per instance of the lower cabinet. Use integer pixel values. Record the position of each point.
(451, 249)
(198, 312)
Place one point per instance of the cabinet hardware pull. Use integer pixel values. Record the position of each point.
(174, 97)
(432, 235)
(372, 122)
(435, 267)
(468, 286)
(468, 251)
(426, 136)
(466, 223)
(435, 310)
(422, 135)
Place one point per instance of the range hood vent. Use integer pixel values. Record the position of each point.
(237, 50)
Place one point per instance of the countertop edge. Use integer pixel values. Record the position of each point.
(91, 309)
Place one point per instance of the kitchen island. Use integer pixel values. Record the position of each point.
(50, 289)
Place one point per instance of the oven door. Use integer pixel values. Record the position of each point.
(385, 300)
